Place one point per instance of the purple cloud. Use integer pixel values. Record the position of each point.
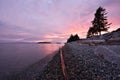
(32, 20)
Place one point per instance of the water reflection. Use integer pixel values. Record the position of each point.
(49, 48)
(15, 57)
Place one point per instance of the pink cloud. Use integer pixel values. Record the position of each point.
(53, 20)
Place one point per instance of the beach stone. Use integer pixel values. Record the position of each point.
(87, 65)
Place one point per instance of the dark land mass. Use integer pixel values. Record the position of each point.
(44, 42)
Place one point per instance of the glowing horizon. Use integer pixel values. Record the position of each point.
(51, 20)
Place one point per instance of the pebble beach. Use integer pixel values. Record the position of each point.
(82, 62)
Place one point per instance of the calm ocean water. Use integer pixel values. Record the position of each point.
(15, 57)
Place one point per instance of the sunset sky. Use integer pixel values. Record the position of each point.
(51, 20)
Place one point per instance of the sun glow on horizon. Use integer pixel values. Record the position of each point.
(54, 20)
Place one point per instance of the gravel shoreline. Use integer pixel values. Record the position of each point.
(53, 71)
(83, 64)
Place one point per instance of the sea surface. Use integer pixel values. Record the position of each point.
(15, 57)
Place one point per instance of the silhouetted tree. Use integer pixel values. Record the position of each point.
(76, 37)
(91, 32)
(100, 21)
(70, 39)
(73, 38)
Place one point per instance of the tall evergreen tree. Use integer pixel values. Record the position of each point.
(71, 38)
(76, 37)
(100, 22)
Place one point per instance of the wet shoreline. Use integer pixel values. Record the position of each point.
(53, 71)
(81, 64)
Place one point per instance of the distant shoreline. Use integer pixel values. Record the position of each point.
(48, 42)
(44, 42)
